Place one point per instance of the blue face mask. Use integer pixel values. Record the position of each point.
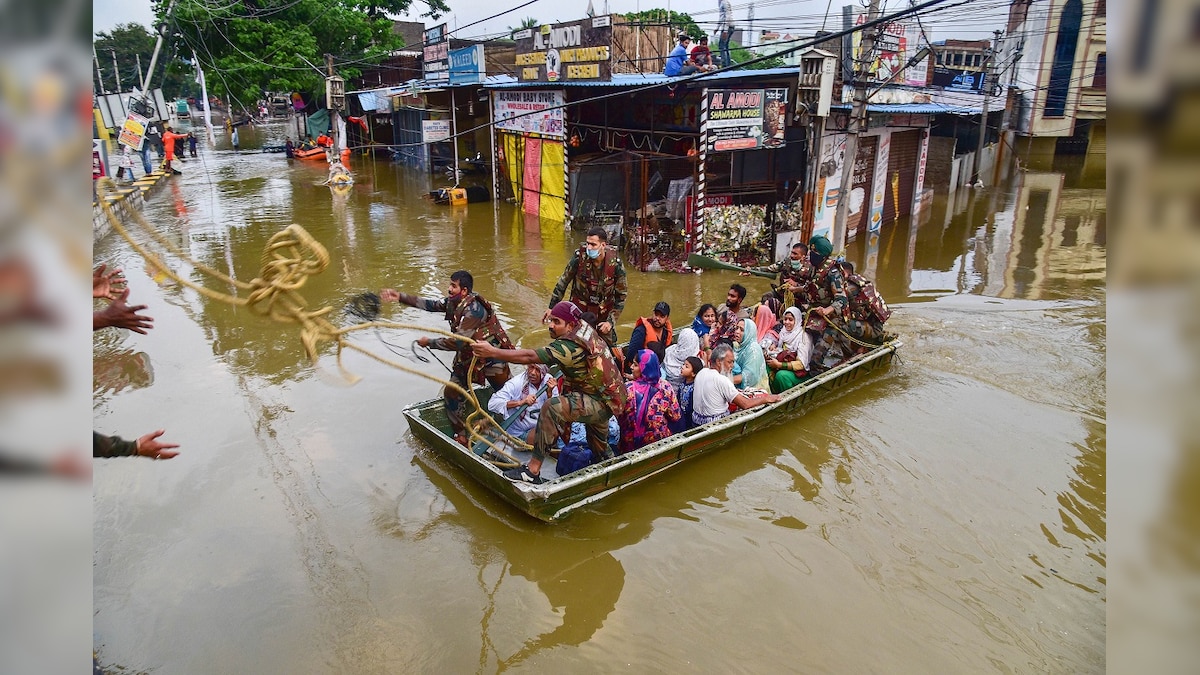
(593, 253)
(815, 258)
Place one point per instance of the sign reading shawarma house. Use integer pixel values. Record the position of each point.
(576, 51)
(436, 55)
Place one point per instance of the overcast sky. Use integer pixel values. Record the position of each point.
(800, 17)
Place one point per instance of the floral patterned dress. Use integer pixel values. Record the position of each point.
(658, 412)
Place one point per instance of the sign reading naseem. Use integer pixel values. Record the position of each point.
(576, 51)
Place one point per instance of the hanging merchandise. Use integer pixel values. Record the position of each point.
(728, 228)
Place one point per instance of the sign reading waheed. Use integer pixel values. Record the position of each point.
(576, 51)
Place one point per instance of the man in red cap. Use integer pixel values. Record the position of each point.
(593, 390)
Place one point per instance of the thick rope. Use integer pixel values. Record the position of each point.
(291, 256)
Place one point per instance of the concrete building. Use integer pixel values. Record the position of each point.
(1057, 50)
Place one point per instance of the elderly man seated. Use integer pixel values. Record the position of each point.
(714, 391)
(522, 390)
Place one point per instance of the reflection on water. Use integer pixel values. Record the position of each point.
(947, 515)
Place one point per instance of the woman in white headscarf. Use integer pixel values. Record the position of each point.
(687, 344)
(750, 368)
(790, 365)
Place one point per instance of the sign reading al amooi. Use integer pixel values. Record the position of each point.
(745, 119)
(576, 51)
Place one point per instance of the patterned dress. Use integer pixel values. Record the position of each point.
(657, 414)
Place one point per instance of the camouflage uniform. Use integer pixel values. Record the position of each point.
(797, 275)
(472, 317)
(597, 286)
(593, 391)
(861, 316)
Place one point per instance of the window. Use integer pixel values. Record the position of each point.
(1064, 59)
(958, 59)
(1100, 79)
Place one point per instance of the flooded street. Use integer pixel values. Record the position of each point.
(947, 515)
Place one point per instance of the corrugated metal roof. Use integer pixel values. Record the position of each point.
(640, 79)
(915, 108)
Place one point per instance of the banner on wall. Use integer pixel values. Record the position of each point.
(829, 180)
(535, 112)
(745, 119)
(576, 51)
(895, 43)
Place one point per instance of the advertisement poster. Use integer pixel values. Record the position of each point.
(436, 55)
(881, 174)
(435, 131)
(576, 51)
(735, 119)
(536, 112)
(829, 180)
(958, 80)
(895, 43)
(133, 132)
(467, 65)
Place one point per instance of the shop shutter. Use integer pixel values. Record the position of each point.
(902, 161)
(860, 185)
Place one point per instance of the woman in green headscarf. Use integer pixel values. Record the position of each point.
(750, 366)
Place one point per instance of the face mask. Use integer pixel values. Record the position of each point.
(593, 253)
(795, 264)
(815, 258)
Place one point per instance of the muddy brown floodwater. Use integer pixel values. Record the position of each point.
(947, 517)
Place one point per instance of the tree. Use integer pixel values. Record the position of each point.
(740, 54)
(676, 21)
(130, 41)
(527, 22)
(248, 49)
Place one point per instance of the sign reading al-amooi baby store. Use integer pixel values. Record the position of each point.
(576, 51)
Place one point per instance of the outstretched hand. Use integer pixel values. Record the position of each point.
(389, 295)
(149, 446)
(107, 283)
(121, 315)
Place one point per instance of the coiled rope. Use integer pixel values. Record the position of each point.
(291, 256)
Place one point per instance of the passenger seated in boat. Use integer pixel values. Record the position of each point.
(788, 359)
(730, 313)
(592, 387)
(692, 341)
(684, 392)
(522, 390)
(650, 405)
(715, 393)
(655, 328)
(766, 318)
(750, 367)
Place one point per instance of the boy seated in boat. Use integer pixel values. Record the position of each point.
(715, 392)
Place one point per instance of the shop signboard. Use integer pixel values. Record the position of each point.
(895, 43)
(133, 131)
(435, 131)
(467, 65)
(436, 55)
(537, 111)
(745, 119)
(958, 80)
(576, 51)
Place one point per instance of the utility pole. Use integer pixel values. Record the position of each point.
(988, 83)
(212, 140)
(1006, 117)
(858, 124)
(116, 72)
(162, 28)
(99, 74)
(335, 97)
(139, 67)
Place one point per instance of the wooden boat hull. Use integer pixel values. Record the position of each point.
(556, 498)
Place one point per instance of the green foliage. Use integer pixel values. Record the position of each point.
(249, 49)
(527, 22)
(740, 54)
(677, 21)
(131, 41)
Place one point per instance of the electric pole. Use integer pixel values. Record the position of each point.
(99, 74)
(858, 124)
(988, 83)
(335, 97)
(116, 72)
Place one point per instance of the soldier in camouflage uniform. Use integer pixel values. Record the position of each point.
(598, 285)
(827, 305)
(794, 271)
(472, 317)
(593, 389)
(862, 318)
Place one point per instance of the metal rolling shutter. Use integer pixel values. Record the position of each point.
(903, 158)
